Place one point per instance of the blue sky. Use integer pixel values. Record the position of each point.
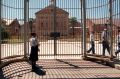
(14, 8)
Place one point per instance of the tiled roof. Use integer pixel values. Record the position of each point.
(14, 21)
(104, 20)
(116, 22)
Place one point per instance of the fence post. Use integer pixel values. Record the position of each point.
(54, 25)
(111, 27)
(81, 28)
(28, 27)
(84, 26)
(0, 28)
(25, 28)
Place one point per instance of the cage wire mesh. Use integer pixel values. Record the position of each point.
(12, 33)
(64, 16)
(98, 14)
(51, 17)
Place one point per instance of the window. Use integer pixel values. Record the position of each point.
(16, 30)
(56, 24)
(51, 10)
(46, 24)
(42, 24)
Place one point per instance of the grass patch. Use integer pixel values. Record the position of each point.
(13, 41)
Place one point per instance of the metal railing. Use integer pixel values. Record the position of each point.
(105, 13)
(74, 21)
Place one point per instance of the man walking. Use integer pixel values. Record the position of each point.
(118, 43)
(92, 43)
(105, 41)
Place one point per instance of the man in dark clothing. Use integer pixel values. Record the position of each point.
(118, 43)
(34, 51)
(92, 43)
(105, 41)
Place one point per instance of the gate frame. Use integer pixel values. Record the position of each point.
(111, 27)
(26, 17)
(0, 28)
(54, 26)
(83, 20)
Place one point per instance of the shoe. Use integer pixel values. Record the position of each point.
(114, 56)
(93, 53)
(87, 51)
(33, 70)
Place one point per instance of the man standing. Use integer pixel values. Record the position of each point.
(34, 51)
(92, 43)
(118, 43)
(105, 41)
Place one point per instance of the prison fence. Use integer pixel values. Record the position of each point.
(70, 21)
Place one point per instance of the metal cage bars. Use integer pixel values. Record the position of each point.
(111, 27)
(83, 13)
(54, 24)
(0, 28)
(26, 8)
(83, 7)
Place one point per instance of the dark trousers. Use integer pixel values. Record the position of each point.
(92, 48)
(105, 46)
(118, 48)
(33, 64)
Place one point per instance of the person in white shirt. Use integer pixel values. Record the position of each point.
(92, 43)
(105, 41)
(34, 51)
(118, 43)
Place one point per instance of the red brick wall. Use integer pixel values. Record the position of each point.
(14, 28)
(44, 22)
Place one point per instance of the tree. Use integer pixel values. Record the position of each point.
(73, 21)
(4, 34)
(31, 24)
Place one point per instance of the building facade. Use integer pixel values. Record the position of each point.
(44, 21)
(14, 28)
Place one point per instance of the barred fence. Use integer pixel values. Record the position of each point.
(72, 19)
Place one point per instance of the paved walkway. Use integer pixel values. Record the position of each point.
(60, 69)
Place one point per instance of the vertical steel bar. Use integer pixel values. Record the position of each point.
(118, 10)
(111, 27)
(25, 26)
(54, 26)
(28, 31)
(0, 28)
(84, 27)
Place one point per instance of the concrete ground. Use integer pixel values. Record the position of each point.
(56, 67)
(60, 69)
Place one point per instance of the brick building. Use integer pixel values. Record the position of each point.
(3, 22)
(76, 29)
(44, 21)
(14, 28)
